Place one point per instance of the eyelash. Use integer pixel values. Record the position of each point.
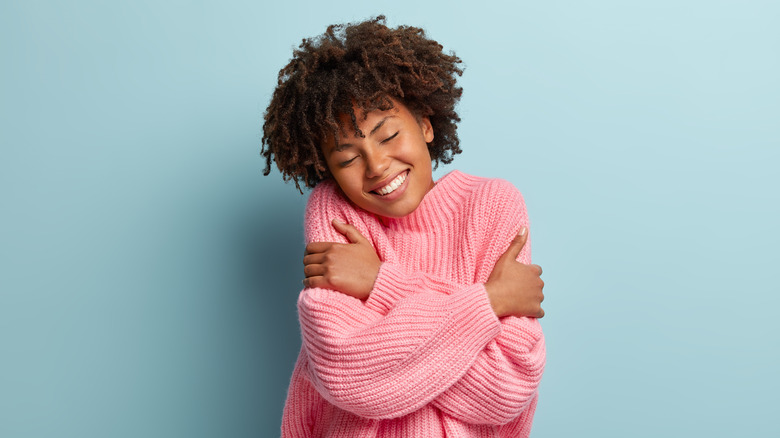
(391, 137)
(348, 162)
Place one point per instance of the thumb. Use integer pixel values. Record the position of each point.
(517, 244)
(352, 233)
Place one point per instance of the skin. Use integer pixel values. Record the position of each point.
(515, 288)
(395, 143)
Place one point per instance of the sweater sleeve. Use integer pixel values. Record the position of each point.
(502, 382)
(386, 364)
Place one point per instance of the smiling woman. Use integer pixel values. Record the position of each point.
(387, 172)
(149, 273)
(419, 312)
(358, 68)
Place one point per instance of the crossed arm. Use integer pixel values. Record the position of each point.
(382, 343)
(513, 288)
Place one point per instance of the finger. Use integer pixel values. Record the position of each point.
(517, 243)
(538, 268)
(313, 270)
(317, 247)
(314, 259)
(318, 282)
(348, 230)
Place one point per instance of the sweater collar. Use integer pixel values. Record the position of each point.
(439, 204)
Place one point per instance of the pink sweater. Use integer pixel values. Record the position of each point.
(424, 355)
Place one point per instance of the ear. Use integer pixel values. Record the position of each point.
(427, 129)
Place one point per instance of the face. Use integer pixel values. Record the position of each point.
(387, 172)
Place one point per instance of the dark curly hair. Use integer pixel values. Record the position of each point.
(366, 65)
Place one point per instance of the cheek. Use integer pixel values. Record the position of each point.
(424, 157)
(349, 180)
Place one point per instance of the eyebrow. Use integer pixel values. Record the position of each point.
(341, 146)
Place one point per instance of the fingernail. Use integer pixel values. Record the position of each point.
(338, 222)
(522, 231)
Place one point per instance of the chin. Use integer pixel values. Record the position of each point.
(398, 211)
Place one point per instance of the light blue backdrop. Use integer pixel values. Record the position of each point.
(149, 271)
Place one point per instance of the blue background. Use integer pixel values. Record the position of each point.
(149, 271)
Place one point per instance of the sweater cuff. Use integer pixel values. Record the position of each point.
(391, 285)
(472, 325)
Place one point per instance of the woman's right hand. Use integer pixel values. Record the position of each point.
(349, 268)
(515, 288)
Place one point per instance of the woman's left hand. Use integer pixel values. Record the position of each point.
(350, 268)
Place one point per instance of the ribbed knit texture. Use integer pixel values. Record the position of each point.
(424, 355)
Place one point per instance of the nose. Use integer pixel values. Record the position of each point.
(377, 163)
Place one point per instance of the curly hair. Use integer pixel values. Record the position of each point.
(362, 65)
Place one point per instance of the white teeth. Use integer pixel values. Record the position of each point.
(394, 184)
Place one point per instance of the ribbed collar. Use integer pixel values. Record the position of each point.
(441, 203)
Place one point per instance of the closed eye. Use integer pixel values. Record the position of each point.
(347, 163)
(390, 138)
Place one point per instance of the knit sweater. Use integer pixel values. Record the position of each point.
(424, 355)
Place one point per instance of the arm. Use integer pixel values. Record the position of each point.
(504, 379)
(495, 389)
(385, 364)
(502, 382)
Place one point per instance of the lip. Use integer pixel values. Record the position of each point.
(397, 192)
(386, 181)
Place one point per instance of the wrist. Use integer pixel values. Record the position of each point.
(391, 285)
(494, 298)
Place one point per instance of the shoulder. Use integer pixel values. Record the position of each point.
(495, 206)
(498, 190)
(486, 194)
(497, 211)
(325, 196)
(327, 202)
(471, 184)
(503, 197)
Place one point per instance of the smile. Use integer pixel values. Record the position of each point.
(394, 184)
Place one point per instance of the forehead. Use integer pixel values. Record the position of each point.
(365, 121)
